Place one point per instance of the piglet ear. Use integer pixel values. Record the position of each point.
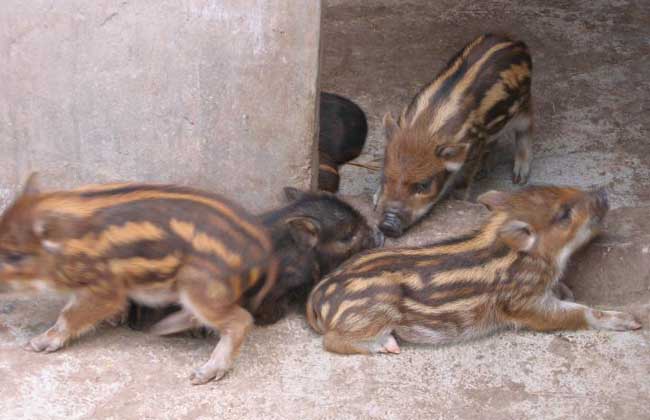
(518, 235)
(453, 155)
(304, 230)
(390, 126)
(293, 194)
(494, 200)
(32, 185)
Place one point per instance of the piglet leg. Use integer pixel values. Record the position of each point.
(552, 314)
(81, 313)
(233, 325)
(523, 148)
(179, 321)
(211, 302)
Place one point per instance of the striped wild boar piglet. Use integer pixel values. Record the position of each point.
(343, 130)
(504, 275)
(157, 245)
(443, 136)
(311, 235)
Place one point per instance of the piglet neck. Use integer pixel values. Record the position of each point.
(488, 234)
(534, 264)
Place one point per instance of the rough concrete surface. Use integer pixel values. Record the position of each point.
(591, 61)
(211, 93)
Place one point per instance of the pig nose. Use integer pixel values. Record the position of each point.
(379, 239)
(391, 225)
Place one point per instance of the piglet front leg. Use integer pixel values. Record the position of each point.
(552, 314)
(81, 313)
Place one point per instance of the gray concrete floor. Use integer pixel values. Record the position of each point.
(591, 94)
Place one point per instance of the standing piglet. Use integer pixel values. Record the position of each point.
(443, 136)
(505, 275)
(156, 245)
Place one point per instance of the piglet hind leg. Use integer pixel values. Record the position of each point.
(364, 333)
(366, 329)
(552, 314)
(523, 148)
(176, 322)
(349, 344)
(81, 313)
(209, 300)
(233, 324)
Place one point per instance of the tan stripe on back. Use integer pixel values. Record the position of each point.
(482, 273)
(453, 306)
(139, 267)
(424, 99)
(114, 236)
(450, 107)
(482, 240)
(80, 207)
(203, 242)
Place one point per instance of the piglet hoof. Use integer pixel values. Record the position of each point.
(388, 345)
(203, 375)
(615, 321)
(520, 173)
(46, 343)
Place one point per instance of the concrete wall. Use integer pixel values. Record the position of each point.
(219, 94)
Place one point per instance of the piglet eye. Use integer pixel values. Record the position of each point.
(13, 257)
(564, 215)
(347, 237)
(422, 187)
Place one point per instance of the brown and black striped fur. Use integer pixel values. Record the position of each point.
(506, 274)
(157, 245)
(443, 136)
(313, 234)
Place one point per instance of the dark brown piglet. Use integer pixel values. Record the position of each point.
(312, 235)
(343, 130)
